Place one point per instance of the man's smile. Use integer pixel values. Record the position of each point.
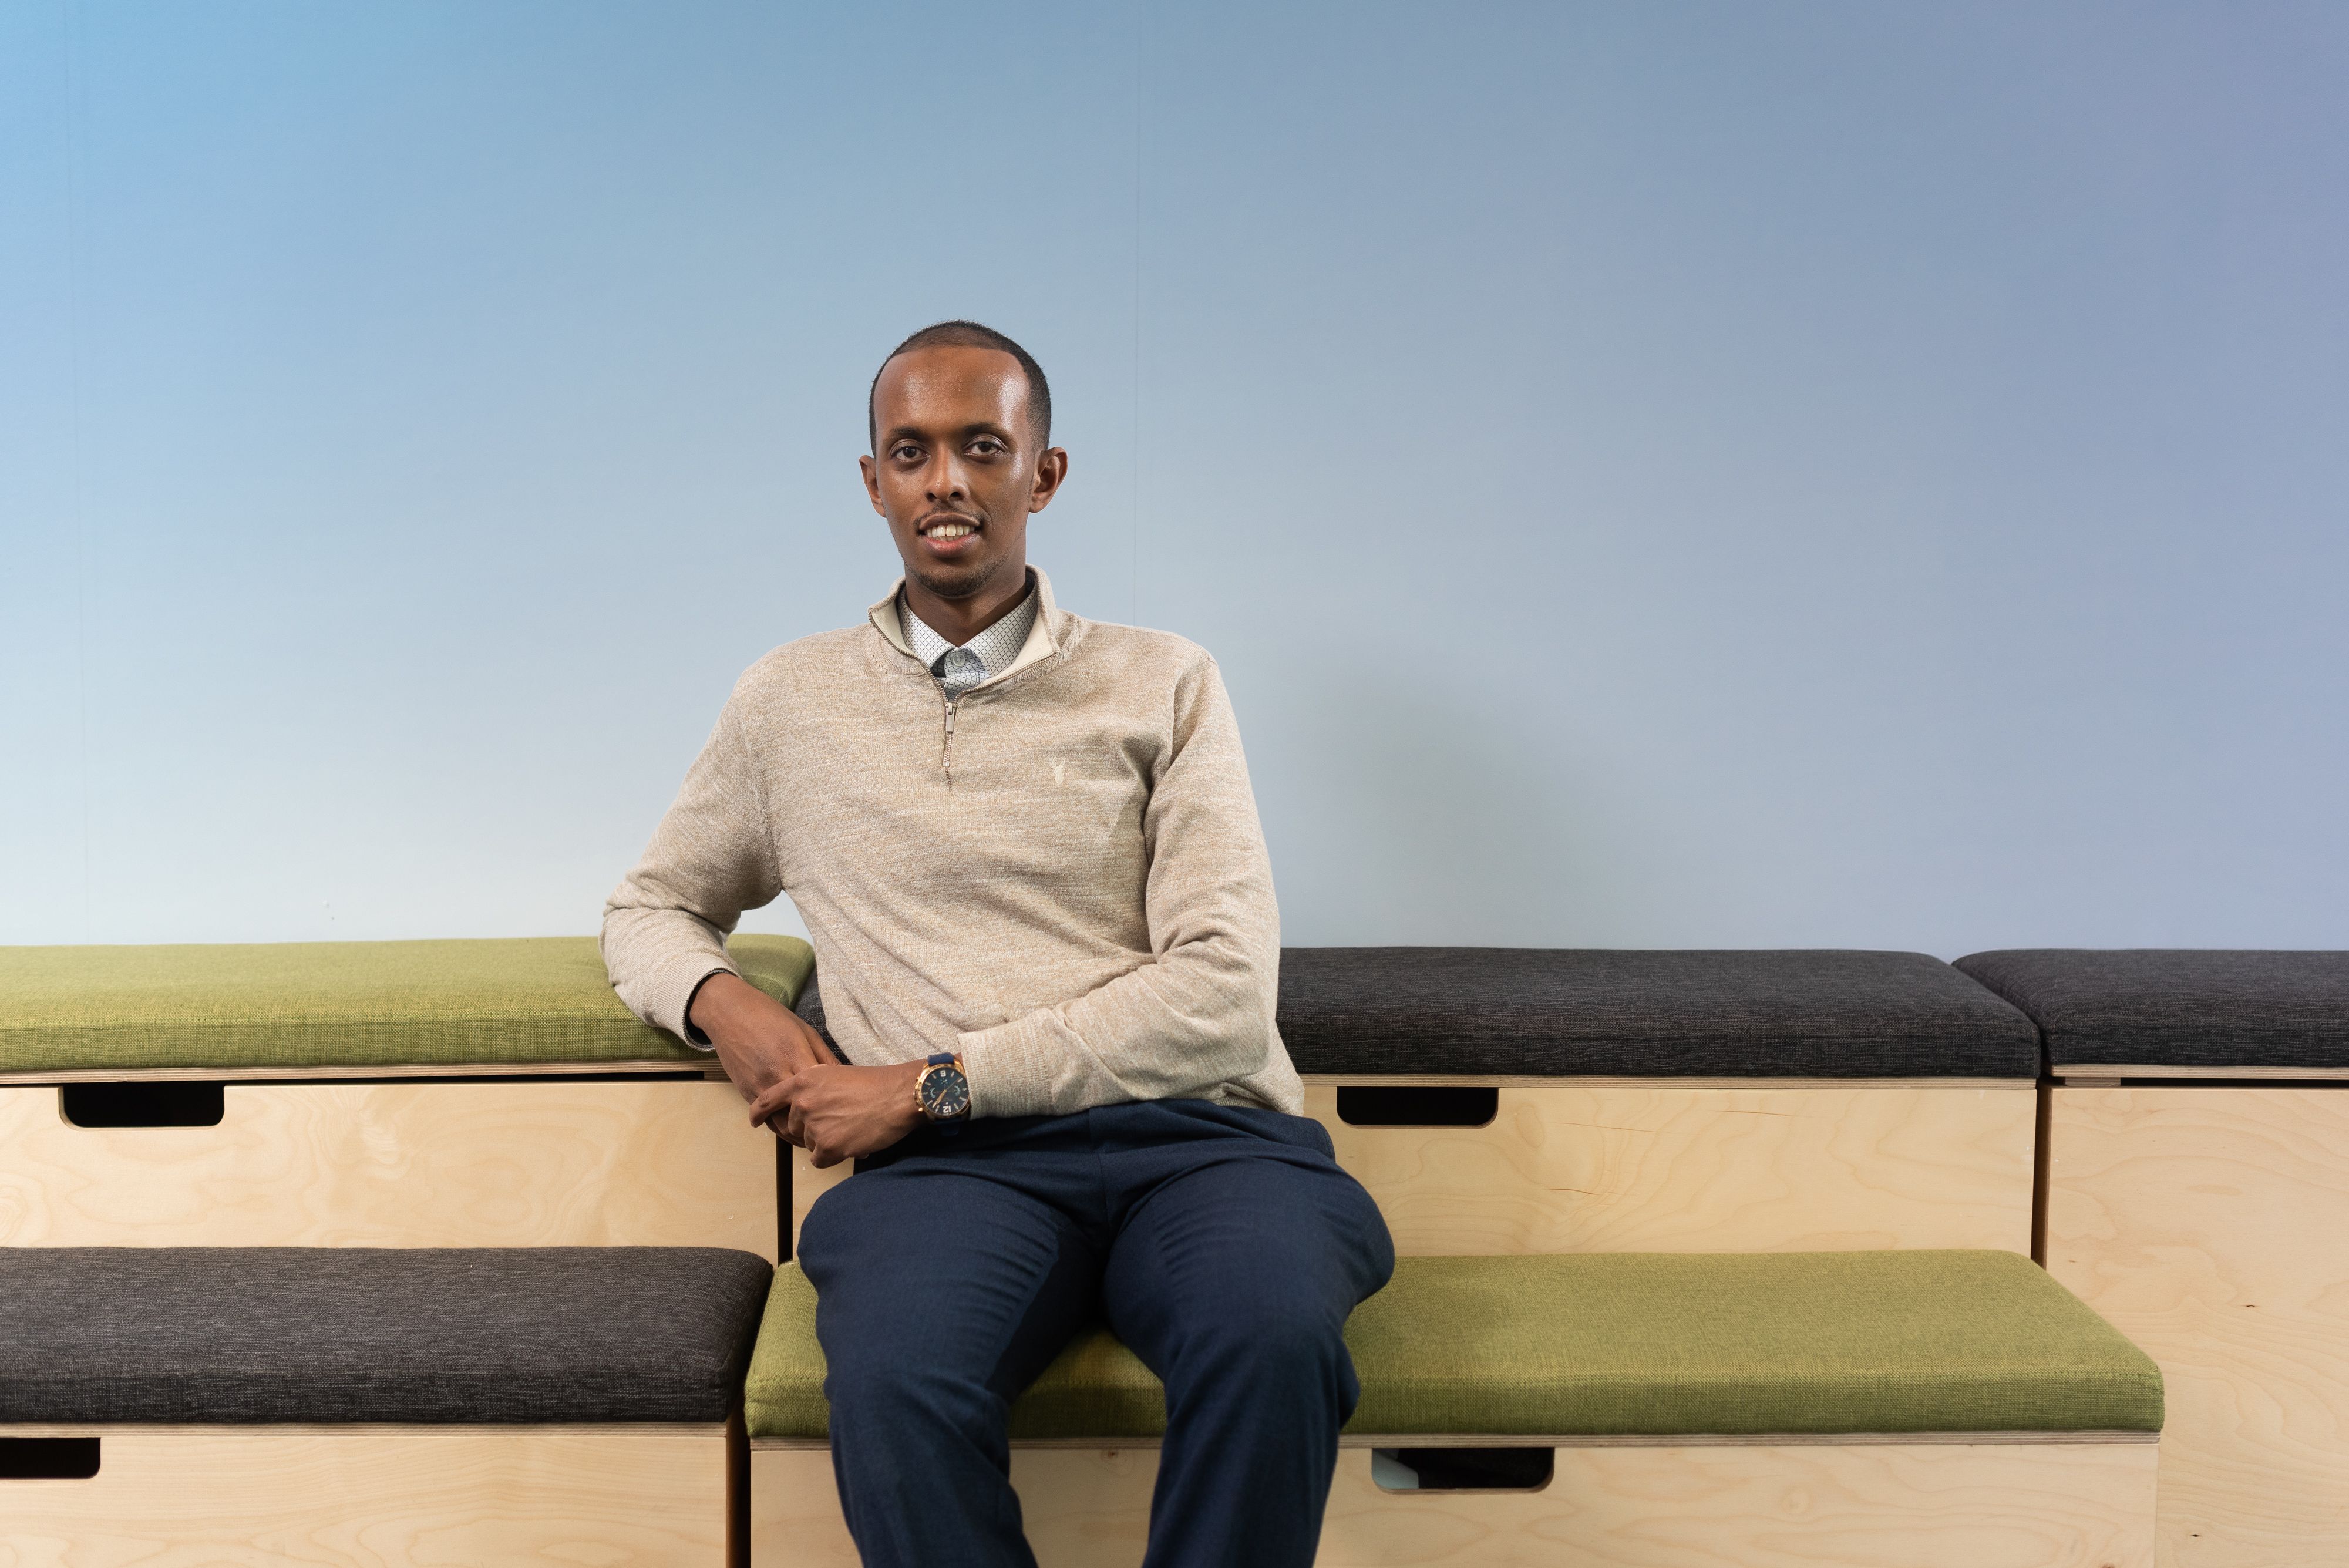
(950, 534)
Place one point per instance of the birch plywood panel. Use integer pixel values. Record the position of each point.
(435, 1163)
(1579, 1167)
(2212, 1226)
(1644, 1168)
(1880, 1506)
(545, 1497)
(1867, 1506)
(795, 1519)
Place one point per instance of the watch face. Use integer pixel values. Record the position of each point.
(945, 1092)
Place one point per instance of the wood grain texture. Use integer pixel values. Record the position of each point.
(663, 1163)
(1576, 1168)
(545, 1497)
(1879, 1506)
(2212, 1226)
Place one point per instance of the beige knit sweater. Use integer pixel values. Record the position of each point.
(1059, 875)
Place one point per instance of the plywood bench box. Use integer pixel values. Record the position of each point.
(354, 1406)
(2199, 1198)
(1528, 1100)
(386, 1094)
(1914, 1409)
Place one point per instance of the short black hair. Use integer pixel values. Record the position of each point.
(971, 335)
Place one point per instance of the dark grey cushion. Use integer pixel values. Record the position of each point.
(1812, 1014)
(2169, 1007)
(363, 1334)
(1551, 1011)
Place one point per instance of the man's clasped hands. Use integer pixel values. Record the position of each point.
(794, 1084)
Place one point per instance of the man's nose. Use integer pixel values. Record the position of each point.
(944, 480)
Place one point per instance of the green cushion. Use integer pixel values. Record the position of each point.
(340, 1005)
(1630, 1343)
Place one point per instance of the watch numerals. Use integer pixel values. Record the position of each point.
(945, 1093)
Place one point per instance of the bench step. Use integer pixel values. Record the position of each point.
(335, 1006)
(1594, 1344)
(340, 1336)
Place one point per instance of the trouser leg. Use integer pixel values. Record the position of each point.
(1231, 1277)
(940, 1295)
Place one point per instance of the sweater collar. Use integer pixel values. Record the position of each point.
(1044, 637)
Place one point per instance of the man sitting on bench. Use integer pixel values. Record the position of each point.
(1026, 853)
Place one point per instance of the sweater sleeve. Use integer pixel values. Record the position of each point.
(1198, 1012)
(711, 857)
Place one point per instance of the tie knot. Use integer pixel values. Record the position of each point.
(959, 669)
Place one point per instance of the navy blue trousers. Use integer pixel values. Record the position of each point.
(1224, 1245)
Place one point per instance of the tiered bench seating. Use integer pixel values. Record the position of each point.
(430, 1252)
(484, 1407)
(1935, 1409)
(490, 1092)
(2198, 1157)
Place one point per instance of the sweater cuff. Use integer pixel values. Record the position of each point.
(1010, 1067)
(671, 993)
(695, 1035)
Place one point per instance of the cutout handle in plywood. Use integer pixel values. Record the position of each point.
(143, 1105)
(1392, 1105)
(47, 1458)
(1464, 1470)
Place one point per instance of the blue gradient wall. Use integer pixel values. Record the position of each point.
(1678, 474)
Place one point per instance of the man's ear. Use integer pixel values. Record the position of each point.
(872, 471)
(1052, 467)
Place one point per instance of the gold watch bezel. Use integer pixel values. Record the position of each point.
(921, 1103)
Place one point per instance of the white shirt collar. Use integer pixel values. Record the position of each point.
(995, 646)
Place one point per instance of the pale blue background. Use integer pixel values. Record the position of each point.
(1653, 474)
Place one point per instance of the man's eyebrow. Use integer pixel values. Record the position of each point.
(896, 433)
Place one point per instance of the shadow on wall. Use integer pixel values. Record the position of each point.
(1401, 812)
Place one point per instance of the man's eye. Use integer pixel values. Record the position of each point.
(987, 446)
(907, 453)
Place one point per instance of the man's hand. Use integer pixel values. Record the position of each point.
(759, 1041)
(843, 1113)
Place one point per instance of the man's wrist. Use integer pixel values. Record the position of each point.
(694, 1032)
(731, 1012)
(942, 1090)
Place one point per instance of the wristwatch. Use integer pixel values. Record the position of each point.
(941, 1092)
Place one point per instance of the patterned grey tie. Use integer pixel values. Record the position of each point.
(959, 669)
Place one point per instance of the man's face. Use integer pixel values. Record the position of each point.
(956, 467)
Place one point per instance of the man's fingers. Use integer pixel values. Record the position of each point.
(773, 1098)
